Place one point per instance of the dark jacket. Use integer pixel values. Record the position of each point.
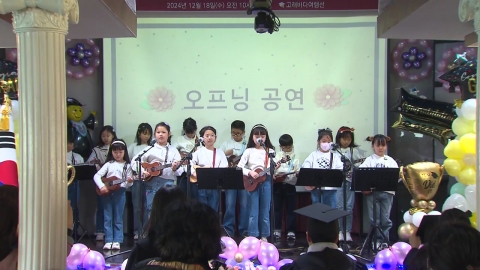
(143, 249)
(328, 259)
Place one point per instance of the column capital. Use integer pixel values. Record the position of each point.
(470, 10)
(46, 18)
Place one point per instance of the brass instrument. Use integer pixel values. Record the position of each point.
(72, 177)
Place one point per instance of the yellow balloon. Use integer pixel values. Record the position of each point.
(468, 143)
(473, 220)
(474, 127)
(453, 166)
(467, 176)
(462, 126)
(453, 150)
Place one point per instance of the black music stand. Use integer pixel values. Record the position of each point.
(319, 177)
(82, 172)
(220, 178)
(374, 179)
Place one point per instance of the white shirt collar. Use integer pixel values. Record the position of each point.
(317, 247)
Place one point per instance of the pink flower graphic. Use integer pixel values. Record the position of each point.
(328, 96)
(160, 99)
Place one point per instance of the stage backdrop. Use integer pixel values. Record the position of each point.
(313, 73)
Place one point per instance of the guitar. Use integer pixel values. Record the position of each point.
(251, 184)
(91, 162)
(193, 179)
(348, 164)
(112, 183)
(233, 161)
(278, 178)
(154, 169)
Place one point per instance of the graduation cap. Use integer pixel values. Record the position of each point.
(460, 74)
(74, 102)
(322, 212)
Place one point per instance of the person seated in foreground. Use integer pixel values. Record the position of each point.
(322, 237)
(144, 248)
(190, 238)
(8, 227)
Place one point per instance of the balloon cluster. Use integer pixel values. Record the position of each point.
(455, 55)
(392, 257)
(239, 257)
(82, 258)
(419, 56)
(8, 70)
(87, 58)
(462, 158)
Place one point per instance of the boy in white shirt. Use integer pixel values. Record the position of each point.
(72, 159)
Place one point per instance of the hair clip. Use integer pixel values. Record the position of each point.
(259, 126)
(341, 130)
(369, 138)
(166, 124)
(388, 139)
(118, 142)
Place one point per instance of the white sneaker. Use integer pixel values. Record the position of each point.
(116, 245)
(340, 237)
(107, 246)
(291, 236)
(135, 237)
(264, 239)
(99, 236)
(349, 237)
(277, 234)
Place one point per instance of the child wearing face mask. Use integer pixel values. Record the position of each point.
(323, 158)
(284, 191)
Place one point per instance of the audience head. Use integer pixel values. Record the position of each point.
(425, 228)
(8, 219)
(455, 215)
(454, 245)
(319, 231)
(164, 196)
(191, 233)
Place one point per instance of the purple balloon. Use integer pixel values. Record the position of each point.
(421, 56)
(93, 261)
(400, 250)
(407, 65)
(405, 56)
(413, 50)
(88, 53)
(75, 61)
(385, 260)
(417, 64)
(231, 247)
(85, 63)
(89, 71)
(69, 72)
(71, 51)
(249, 247)
(268, 254)
(96, 51)
(80, 55)
(90, 42)
(78, 75)
(80, 47)
(96, 62)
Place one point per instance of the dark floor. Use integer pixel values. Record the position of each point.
(287, 249)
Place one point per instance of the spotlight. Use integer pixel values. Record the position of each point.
(266, 20)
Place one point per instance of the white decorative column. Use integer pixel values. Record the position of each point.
(470, 10)
(41, 27)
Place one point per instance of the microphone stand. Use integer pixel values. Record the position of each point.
(189, 158)
(272, 205)
(141, 232)
(344, 159)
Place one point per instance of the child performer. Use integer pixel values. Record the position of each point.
(253, 158)
(73, 158)
(143, 138)
(323, 158)
(346, 139)
(164, 154)
(284, 191)
(384, 198)
(211, 157)
(185, 144)
(99, 156)
(234, 149)
(117, 165)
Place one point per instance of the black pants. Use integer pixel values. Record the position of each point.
(285, 194)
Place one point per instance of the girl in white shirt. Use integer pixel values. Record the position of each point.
(165, 154)
(211, 157)
(185, 144)
(118, 166)
(384, 198)
(323, 158)
(142, 140)
(99, 156)
(346, 139)
(255, 157)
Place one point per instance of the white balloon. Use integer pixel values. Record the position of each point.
(407, 217)
(458, 111)
(471, 196)
(469, 109)
(124, 264)
(15, 110)
(470, 159)
(455, 201)
(417, 218)
(434, 213)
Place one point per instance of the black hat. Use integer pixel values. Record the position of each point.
(322, 212)
(74, 102)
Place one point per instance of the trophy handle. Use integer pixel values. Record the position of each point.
(72, 177)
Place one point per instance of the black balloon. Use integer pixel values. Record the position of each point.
(442, 134)
(462, 76)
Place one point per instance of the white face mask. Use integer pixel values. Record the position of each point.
(325, 146)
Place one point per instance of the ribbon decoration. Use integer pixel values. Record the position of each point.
(56, 6)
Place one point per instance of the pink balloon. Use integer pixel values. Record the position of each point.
(69, 72)
(446, 85)
(11, 55)
(268, 254)
(423, 43)
(231, 248)
(75, 258)
(96, 62)
(401, 44)
(459, 49)
(413, 78)
(441, 66)
(402, 74)
(249, 247)
(397, 66)
(400, 250)
(96, 51)
(424, 73)
(89, 71)
(94, 261)
(447, 55)
(429, 52)
(395, 54)
(90, 42)
(385, 260)
(429, 64)
(78, 75)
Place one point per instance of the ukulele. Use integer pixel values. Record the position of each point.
(112, 183)
(348, 164)
(233, 161)
(193, 179)
(278, 178)
(154, 169)
(251, 184)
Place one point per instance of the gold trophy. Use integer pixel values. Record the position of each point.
(72, 176)
(422, 180)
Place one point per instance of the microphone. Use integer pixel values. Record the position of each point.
(153, 142)
(334, 146)
(199, 140)
(260, 141)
